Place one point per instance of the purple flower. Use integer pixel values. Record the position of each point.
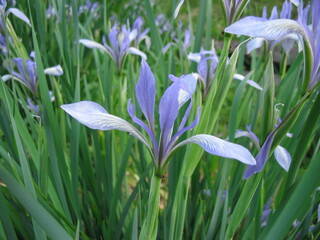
(277, 29)
(119, 45)
(207, 63)
(286, 43)
(281, 154)
(27, 73)
(179, 93)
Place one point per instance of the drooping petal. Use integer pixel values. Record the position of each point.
(267, 29)
(95, 116)
(19, 14)
(54, 71)
(176, 11)
(146, 92)
(250, 82)
(136, 51)
(92, 44)
(251, 135)
(283, 157)
(254, 44)
(190, 81)
(222, 148)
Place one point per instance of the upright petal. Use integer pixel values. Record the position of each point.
(270, 30)
(146, 92)
(95, 116)
(219, 147)
(283, 157)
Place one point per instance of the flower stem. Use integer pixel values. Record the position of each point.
(150, 226)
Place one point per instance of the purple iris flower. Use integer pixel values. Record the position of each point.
(280, 153)
(179, 93)
(27, 73)
(119, 45)
(277, 29)
(139, 33)
(286, 43)
(14, 11)
(207, 64)
(3, 44)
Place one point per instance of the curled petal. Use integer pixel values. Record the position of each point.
(196, 57)
(54, 71)
(19, 14)
(136, 51)
(283, 157)
(222, 148)
(254, 44)
(92, 44)
(267, 29)
(95, 116)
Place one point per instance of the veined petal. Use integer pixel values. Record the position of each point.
(95, 116)
(295, 2)
(219, 147)
(136, 51)
(267, 29)
(249, 134)
(190, 81)
(92, 44)
(196, 57)
(146, 92)
(19, 14)
(283, 157)
(176, 11)
(54, 71)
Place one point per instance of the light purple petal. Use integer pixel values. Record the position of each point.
(295, 2)
(270, 30)
(131, 111)
(92, 44)
(185, 94)
(250, 82)
(283, 157)
(54, 71)
(251, 135)
(196, 57)
(254, 44)
(262, 156)
(19, 14)
(222, 148)
(274, 13)
(113, 38)
(203, 69)
(95, 116)
(32, 73)
(146, 92)
(136, 51)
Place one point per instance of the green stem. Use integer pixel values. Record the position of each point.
(150, 226)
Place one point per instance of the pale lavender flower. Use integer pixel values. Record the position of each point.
(3, 44)
(140, 33)
(14, 11)
(280, 153)
(119, 45)
(179, 93)
(277, 29)
(89, 7)
(27, 73)
(266, 212)
(286, 43)
(207, 63)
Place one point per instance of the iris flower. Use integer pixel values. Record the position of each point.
(278, 29)
(207, 64)
(286, 43)
(232, 9)
(180, 92)
(27, 73)
(280, 153)
(119, 45)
